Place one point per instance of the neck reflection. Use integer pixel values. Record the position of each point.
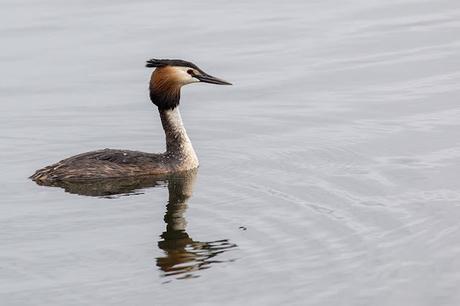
(182, 255)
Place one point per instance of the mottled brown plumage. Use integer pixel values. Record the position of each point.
(103, 164)
(165, 85)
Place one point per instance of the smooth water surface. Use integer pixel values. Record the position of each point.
(330, 171)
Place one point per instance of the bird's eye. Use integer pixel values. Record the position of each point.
(190, 71)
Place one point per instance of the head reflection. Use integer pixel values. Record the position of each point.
(183, 256)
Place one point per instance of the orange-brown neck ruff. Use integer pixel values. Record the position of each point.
(165, 88)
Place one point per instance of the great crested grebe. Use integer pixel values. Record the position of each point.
(165, 85)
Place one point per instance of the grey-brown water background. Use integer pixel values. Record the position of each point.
(331, 167)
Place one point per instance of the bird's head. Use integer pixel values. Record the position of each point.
(170, 75)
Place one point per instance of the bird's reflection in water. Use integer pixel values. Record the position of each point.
(182, 255)
(110, 188)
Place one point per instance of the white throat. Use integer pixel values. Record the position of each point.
(178, 144)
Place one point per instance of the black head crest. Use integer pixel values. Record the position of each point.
(170, 62)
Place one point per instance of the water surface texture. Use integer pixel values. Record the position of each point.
(330, 171)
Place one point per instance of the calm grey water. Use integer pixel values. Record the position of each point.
(330, 171)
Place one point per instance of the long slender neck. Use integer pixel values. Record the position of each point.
(178, 145)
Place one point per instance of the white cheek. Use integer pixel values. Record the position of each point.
(186, 78)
